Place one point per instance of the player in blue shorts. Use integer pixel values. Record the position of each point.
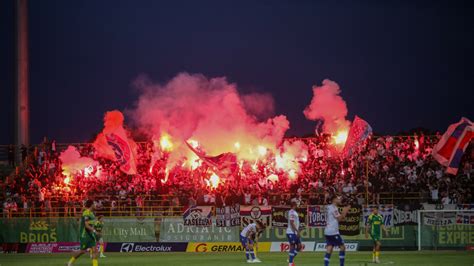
(248, 236)
(293, 232)
(331, 232)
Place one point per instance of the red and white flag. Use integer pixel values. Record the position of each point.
(124, 152)
(360, 131)
(113, 144)
(450, 148)
(225, 164)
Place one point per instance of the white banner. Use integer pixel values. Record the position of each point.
(198, 216)
(440, 221)
(250, 214)
(439, 218)
(228, 216)
(432, 207)
(405, 217)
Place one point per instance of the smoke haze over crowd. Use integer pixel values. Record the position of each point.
(210, 111)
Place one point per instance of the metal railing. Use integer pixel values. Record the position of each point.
(122, 208)
(165, 208)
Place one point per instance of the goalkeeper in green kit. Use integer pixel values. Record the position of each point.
(374, 227)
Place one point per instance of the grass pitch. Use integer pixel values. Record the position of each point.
(442, 258)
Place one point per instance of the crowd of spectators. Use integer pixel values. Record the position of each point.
(388, 168)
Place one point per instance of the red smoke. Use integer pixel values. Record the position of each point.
(73, 163)
(328, 105)
(214, 118)
(210, 112)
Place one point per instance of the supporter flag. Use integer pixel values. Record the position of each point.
(113, 144)
(360, 131)
(102, 147)
(123, 151)
(450, 148)
(225, 164)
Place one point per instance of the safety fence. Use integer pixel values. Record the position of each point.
(160, 205)
(117, 208)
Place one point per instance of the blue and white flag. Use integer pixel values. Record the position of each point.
(360, 131)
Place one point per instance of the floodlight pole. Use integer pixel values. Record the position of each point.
(22, 114)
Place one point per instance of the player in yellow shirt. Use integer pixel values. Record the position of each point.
(88, 235)
(374, 227)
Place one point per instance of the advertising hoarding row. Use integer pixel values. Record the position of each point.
(157, 247)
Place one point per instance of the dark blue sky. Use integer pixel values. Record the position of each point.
(400, 64)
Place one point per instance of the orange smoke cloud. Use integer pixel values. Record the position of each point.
(73, 163)
(113, 120)
(288, 160)
(327, 105)
(210, 111)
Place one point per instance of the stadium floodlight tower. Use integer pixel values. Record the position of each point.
(22, 113)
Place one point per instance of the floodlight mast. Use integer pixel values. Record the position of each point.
(22, 113)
